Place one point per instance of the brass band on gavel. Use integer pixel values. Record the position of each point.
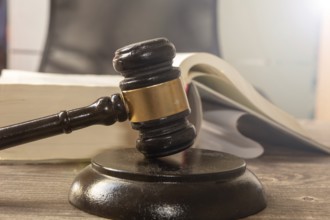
(156, 101)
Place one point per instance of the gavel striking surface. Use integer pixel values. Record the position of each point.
(194, 184)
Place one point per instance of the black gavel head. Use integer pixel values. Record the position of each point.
(155, 100)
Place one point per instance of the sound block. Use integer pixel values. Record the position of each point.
(194, 184)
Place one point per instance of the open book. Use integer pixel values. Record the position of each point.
(229, 114)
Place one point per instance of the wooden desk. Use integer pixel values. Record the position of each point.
(297, 185)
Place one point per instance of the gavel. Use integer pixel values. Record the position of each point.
(124, 184)
(152, 98)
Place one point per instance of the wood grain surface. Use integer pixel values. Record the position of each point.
(296, 182)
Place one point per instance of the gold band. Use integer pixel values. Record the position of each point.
(155, 102)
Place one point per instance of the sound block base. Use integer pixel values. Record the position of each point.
(194, 184)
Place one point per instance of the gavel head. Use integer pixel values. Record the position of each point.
(155, 100)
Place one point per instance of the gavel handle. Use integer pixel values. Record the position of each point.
(105, 110)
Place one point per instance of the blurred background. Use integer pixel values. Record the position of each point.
(281, 46)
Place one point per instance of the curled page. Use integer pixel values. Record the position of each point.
(219, 132)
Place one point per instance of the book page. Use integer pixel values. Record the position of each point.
(223, 78)
(219, 133)
(220, 82)
(280, 132)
